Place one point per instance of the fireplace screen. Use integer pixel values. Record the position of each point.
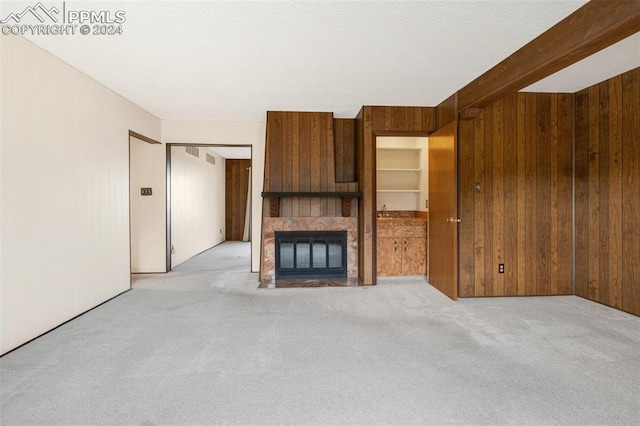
(311, 254)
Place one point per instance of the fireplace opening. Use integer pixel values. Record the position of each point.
(311, 254)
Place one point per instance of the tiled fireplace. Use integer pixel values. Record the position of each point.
(309, 217)
(322, 230)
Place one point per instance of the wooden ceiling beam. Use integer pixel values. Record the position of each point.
(595, 26)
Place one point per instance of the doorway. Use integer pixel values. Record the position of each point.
(197, 196)
(419, 186)
(146, 205)
(402, 205)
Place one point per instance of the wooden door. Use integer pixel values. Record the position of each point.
(388, 256)
(443, 212)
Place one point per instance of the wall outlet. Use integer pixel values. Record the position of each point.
(501, 268)
(426, 204)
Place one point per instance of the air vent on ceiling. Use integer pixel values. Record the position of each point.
(193, 150)
(211, 159)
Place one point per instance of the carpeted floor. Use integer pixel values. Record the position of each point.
(203, 345)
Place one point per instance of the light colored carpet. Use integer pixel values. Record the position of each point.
(202, 345)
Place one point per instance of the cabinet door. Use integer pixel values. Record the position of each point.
(414, 256)
(388, 256)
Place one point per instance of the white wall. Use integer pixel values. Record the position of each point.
(147, 165)
(229, 133)
(197, 203)
(64, 193)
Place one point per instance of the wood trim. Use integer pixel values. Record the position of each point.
(593, 27)
(402, 133)
(346, 206)
(447, 111)
(280, 194)
(143, 138)
(274, 207)
(470, 113)
(168, 189)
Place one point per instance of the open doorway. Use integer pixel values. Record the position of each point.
(208, 199)
(402, 206)
(146, 205)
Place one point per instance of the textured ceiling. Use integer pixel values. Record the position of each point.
(235, 60)
(614, 60)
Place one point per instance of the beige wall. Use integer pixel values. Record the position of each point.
(147, 167)
(64, 191)
(197, 203)
(229, 133)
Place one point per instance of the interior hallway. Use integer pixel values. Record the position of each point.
(203, 345)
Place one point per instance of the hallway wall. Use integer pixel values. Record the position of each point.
(229, 133)
(64, 191)
(197, 202)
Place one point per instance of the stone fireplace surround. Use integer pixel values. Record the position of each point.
(272, 224)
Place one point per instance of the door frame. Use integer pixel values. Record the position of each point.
(168, 191)
(374, 238)
(374, 184)
(148, 140)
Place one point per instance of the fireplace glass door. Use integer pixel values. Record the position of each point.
(311, 254)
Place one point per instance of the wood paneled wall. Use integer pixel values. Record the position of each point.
(447, 111)
(375, 121)
(299, 157)
(607, 162)
(236, 187)
(345, 149)
(519, 151)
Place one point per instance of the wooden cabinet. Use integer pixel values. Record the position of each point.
(401, 246)
(414, 256)
(389, 256)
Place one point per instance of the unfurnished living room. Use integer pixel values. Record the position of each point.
(320, 212)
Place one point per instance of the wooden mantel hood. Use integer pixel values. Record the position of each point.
(274, 197)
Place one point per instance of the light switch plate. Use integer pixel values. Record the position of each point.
(146, 191)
